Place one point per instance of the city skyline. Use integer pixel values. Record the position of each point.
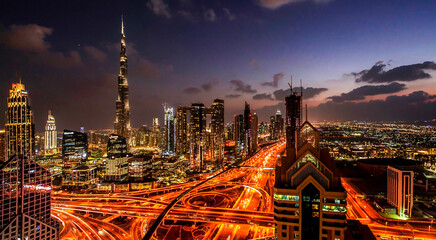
(342, 67)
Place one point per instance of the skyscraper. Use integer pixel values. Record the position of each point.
(19, 127)
(309, 201)
(197, 129)
(25, 211)
(279, 125)
(50, 139)
(247, 127)
(170, 129)
(182, 131)
(74, 147)
(117, 166)
(254, 132)
(217, 130)
(122, 119)
(239, 135)
(400, 190)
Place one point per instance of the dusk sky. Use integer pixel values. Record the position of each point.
(359, 59)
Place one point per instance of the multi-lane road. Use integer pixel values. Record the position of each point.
(235, 204)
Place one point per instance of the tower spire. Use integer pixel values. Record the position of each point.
(122, 25)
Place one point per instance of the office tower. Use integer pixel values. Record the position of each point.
(170, 129)
(254, 132)
(116, 169)
(25, 211)
(182, 131)
(74, 147)
(400, 190)
(140, 168)
(197, 130)
(293, 117)
(272, 128)
(2, 145)
(19, 127)
(50, 137)
(156, 136)
(217, 130)
(247, 128)
(122, 118)
(309, 201)
(279, 125)
(116, 146)
(230, 131)
(239, 134)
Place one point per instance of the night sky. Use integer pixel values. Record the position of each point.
(359, 59)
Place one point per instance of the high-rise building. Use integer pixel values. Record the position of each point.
(217, 130)
(279, 125)
(19, 127)
(74, 147)
(117, 166)
(50, 137)
(116, 146)
(170, 129)
(2, 145)
(400, 190)
(197, 130)
(247, 127)
(182, 131)
(309, 201)
(25, 211)
(254, 132)
(122, 118)
(239, 134)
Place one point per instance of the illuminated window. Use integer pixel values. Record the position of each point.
(286, 197)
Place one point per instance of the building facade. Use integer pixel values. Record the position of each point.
(217, 130)
(170, 129)
(50, 136)
(117, 166)
(74, 147)
(122, 117)
(309, 201)
(25, 212)
(19, 127)
(400, 190)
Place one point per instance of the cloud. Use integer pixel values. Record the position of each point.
(263, 96)
(159, 8)
(242, 87)
(230, 16)
(275, 4)
(368, 90)
(29, 37)
(95, 53)
(308, 93)
(417, 105)
(233, 95)
(405, 73)
(276, 79)
(187, 15)
(210, 15)
(255, 64)
(208, 86)
(192, 90)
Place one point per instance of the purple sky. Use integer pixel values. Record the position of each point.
(359, 59)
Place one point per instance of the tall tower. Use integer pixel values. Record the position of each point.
(19, 127)
(50, 140)
(170, 129)
(122, 119)
(217, 130)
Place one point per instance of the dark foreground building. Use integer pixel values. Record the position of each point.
(25, 201)
(309, 201)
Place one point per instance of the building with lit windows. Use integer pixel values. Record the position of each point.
(122, 117)
(50, 136)
(309, 201)
(117, 166)
(400, 190)
(170, 129)
(2, 145)
(19, 127)
(182, 131)
(197, 132)
(254, 132)
(217, 130)
(25, 211)
(74, 147)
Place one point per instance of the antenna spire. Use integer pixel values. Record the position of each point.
(122, 25)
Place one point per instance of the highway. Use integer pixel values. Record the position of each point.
(230, 204)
